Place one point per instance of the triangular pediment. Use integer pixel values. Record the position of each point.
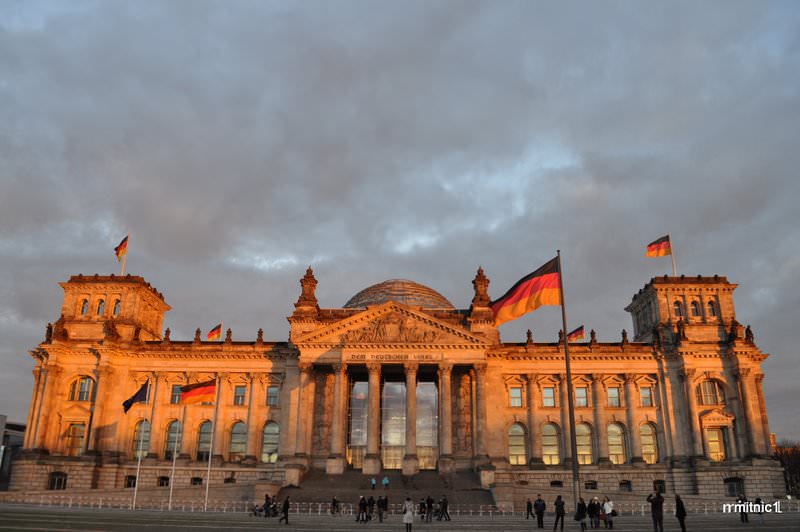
(391, 324)
(716, 417)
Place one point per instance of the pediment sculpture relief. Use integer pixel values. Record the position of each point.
(394, 328)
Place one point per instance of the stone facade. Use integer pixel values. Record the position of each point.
(398, 378)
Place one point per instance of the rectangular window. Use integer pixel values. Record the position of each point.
(239, 393)
(715, 440)
(175, 396)
(646, 394)
(549, 396)
(515, 396)
(75, 435)
(272, 395)
(613, 396)
(581, 396)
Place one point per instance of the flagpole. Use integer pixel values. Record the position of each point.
(139, 455)
(211, 446)
(672, 254)
(124, 260)
(570, 400)
(174, 457)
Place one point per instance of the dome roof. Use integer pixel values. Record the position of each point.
(401, 291)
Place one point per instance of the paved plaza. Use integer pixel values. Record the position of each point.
(14, 517)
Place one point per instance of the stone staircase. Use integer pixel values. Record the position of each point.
(462, 489)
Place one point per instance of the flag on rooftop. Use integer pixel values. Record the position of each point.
(215, 333)
(577, 334)
(122, 249)
(541, 287)
(659, 248)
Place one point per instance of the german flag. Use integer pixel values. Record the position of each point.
(122, 249)
(202, 392)
(659, 248)
(577, 334)
(541, 287)
(215, 333)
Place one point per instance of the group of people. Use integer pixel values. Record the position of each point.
(272, 508)
(366, 508)
(430, 509)
(595, 511)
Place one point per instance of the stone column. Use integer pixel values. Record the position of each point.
(221, 438)
(303, 414)
(693, 429)
(33, 413)
(252, 432)
(102, 396)
(446, 462)
(757, 385)
(600, 425)
(566, 428)
(410, 460)
(335, 465)
(534, 423)
(631, 409)
(744, 421)
(481, 456)
(372, 460)
(156, 415)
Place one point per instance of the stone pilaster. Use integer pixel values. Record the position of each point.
(372, 460)
(252, 432)
(631, 411)
(695, 435)
(534, 422)
(335, 465)
(481, 456)
(566, 428)
(446, 462)
(600, 423)
(410, 460)
(156, 413)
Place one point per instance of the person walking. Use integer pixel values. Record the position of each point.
(580, 515)
(372, 483)
(334, 506)
(560, 512)
(285, 511)
(370, 507)
(539, 507)
(267, 504)
(385, 482)
(680, 512)
(408, 514)
(593, 511)
(657, 510)
(742, 500)
(443, 509)
(608, 512)
(428, 509)
(759, 504)
(528, 509)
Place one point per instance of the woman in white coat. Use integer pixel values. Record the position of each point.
(608, 511)
(408, 514)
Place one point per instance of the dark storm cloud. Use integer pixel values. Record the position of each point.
(240, 141)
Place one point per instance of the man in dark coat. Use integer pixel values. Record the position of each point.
(657, 510)
(560, 512)
(528, 509)
(680, 512)
(443, 509)
(285, 511)
(539, 506)
(743, 508)
(428, 509)
(362, 510)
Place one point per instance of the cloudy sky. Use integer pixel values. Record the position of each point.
(238, 142)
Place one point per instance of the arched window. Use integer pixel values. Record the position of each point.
(238, 446)
(583, 437)
(677, 309)
(75, 434)
(695, 309)
(647, 435)
(710, 393)
(269, 443)
(616, 444)
(551, 450)
(712, 309)
(81, 389)
(117, 305)
(172, 443)
(141, 439)
(101, 307)
(516, 445)
(84, 307)
(204, 441)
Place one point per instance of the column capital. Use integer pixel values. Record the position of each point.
(532, 378)
(305, 367)
(411, 368)
(444, 369)
(630, 378)
(480, 368)
(340, 367)
(596, 378)
(374, 367)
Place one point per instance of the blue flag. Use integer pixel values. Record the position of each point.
(139, 397)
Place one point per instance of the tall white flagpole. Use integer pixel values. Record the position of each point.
(175, 456)
(139, 454)
(211, 446)
(124, 260)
